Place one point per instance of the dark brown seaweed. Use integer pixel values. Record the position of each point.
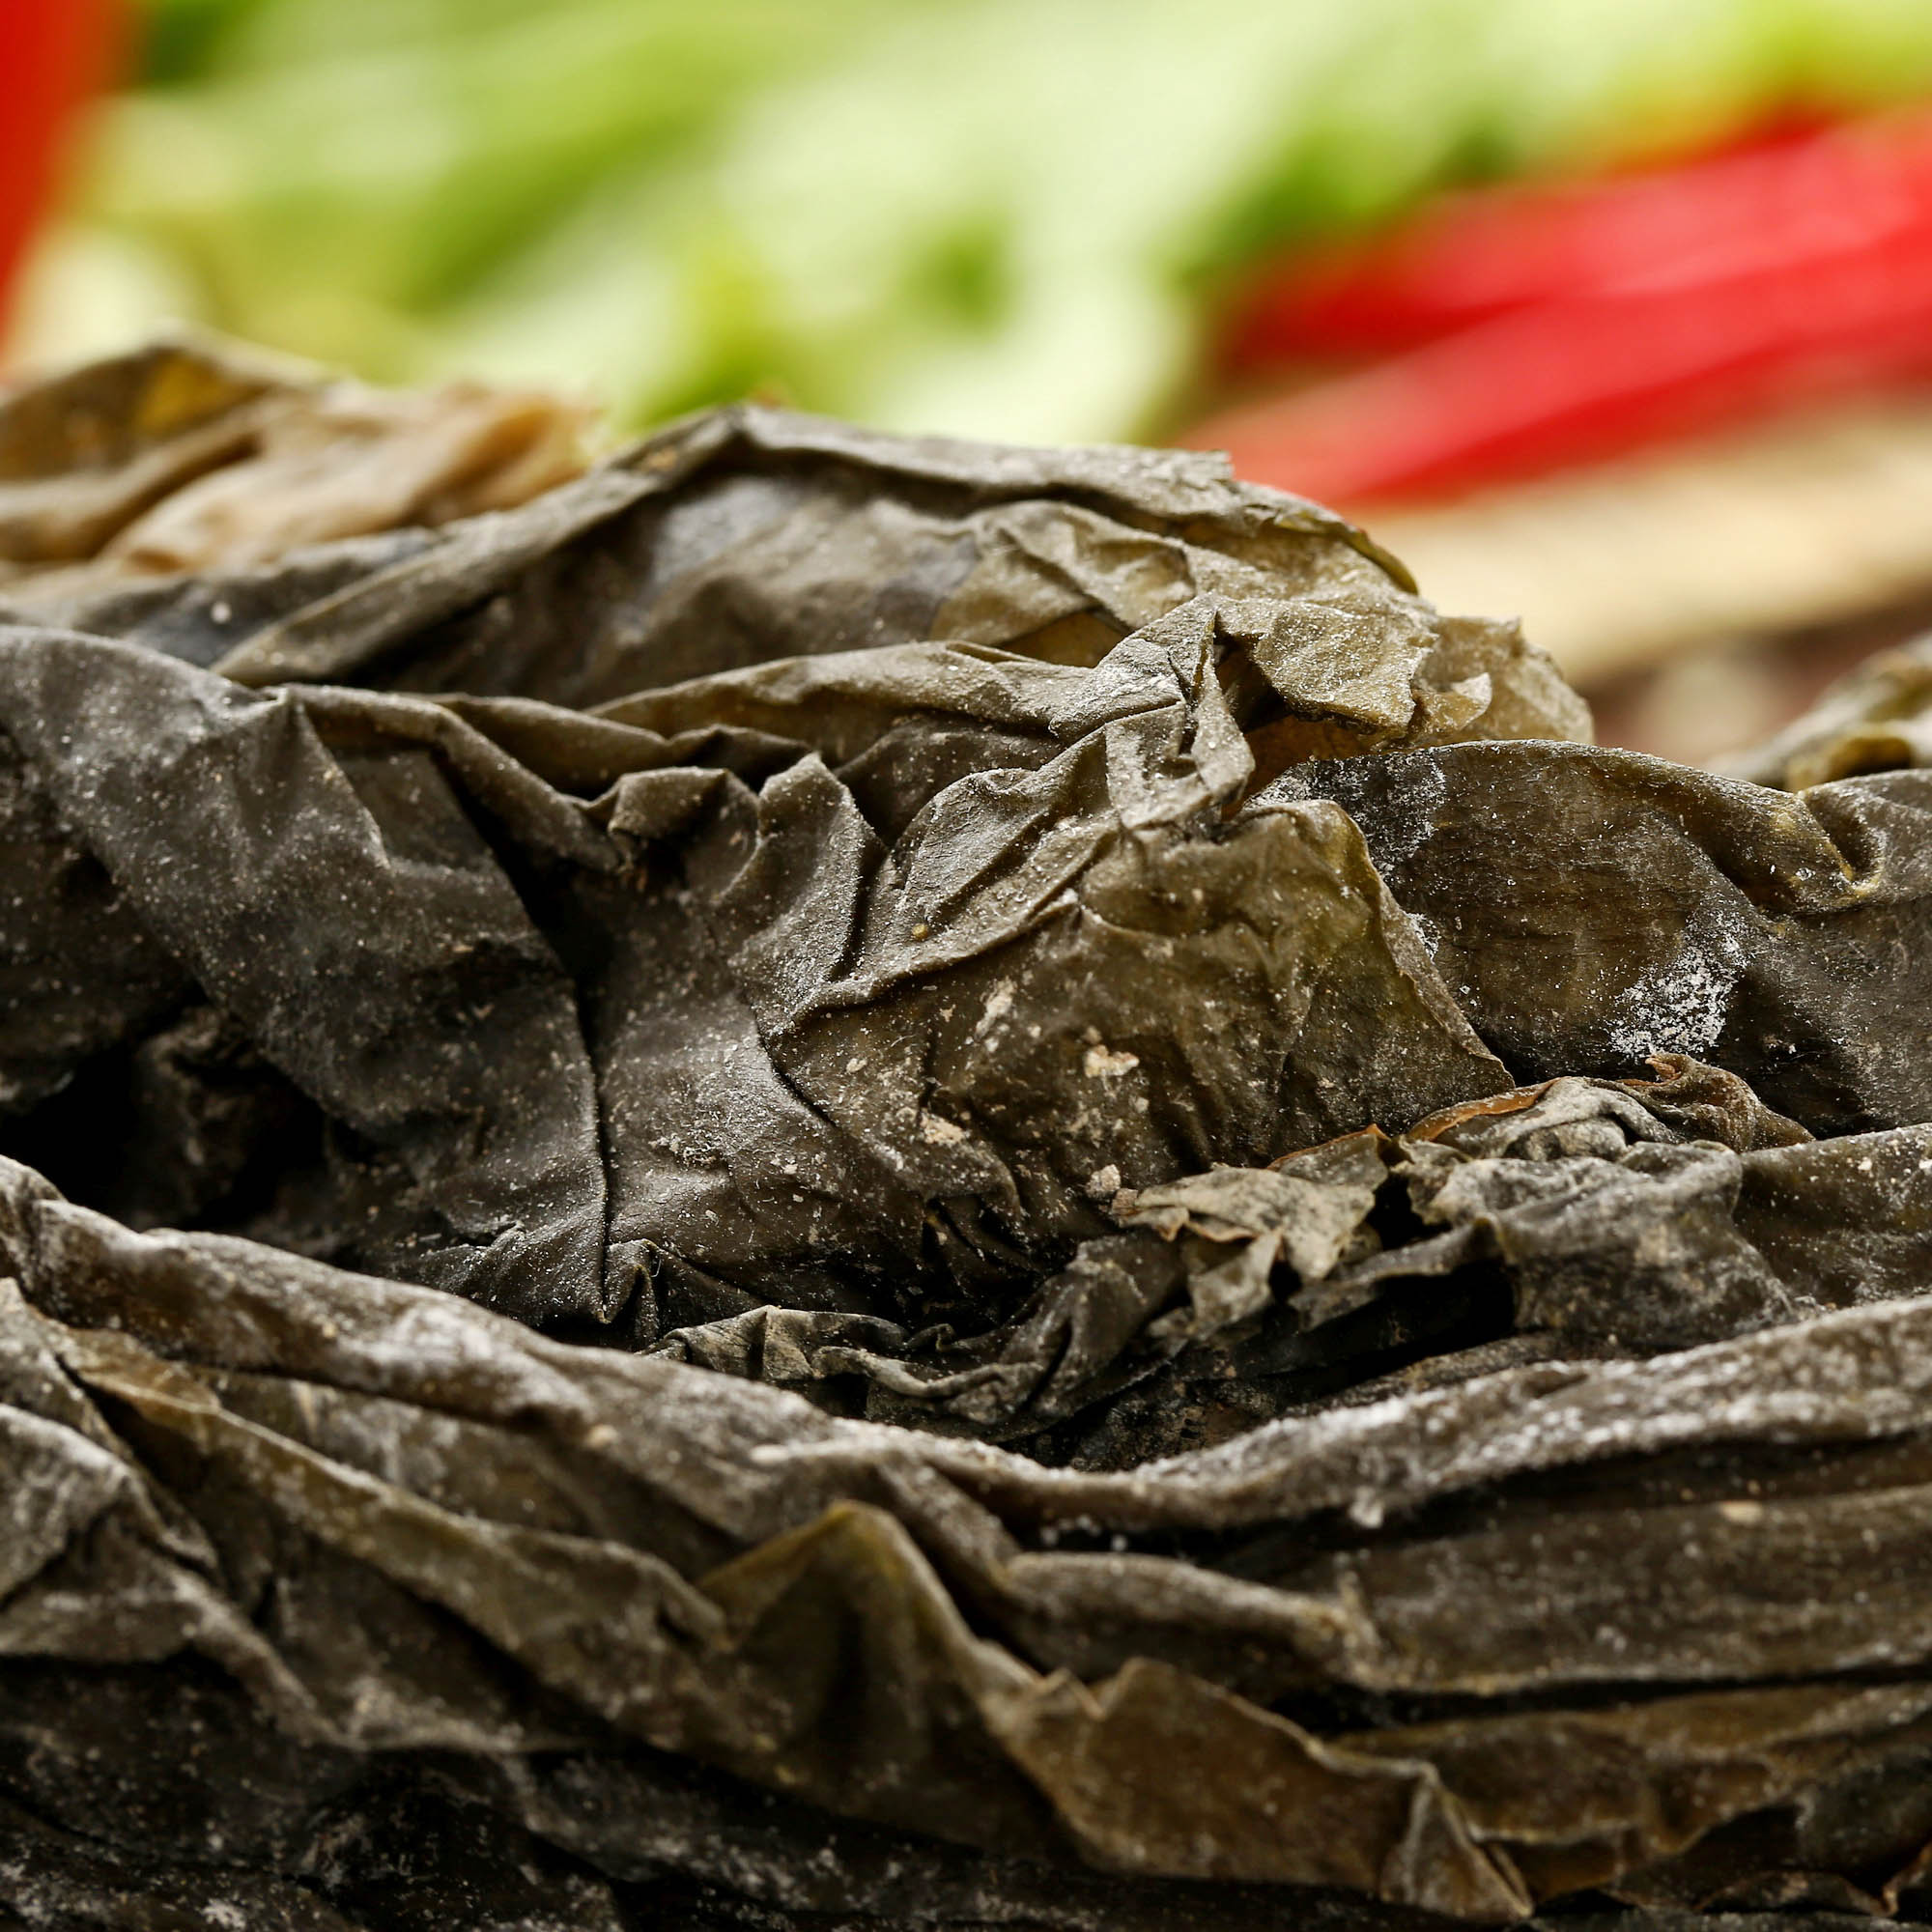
(838, 1182)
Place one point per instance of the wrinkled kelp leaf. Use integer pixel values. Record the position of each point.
(186, 457)
(842, 1182)
(1871, 721)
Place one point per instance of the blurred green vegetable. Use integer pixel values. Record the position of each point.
(1002, 217)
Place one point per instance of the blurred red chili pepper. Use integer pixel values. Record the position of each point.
(55, 54)
(1556, 326)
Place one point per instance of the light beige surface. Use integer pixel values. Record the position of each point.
(1814, 519)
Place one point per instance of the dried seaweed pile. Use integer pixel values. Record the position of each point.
(837, 1183)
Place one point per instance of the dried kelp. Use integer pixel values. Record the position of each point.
(1872, 720)
(748, 535)
(845, 1182)
(191, 457)
(1589, 907)
(405, 1525)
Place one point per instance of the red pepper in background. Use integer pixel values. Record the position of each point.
(1539, 328)
(54, 56)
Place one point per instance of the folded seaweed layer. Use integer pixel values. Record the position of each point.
(1872, 719)
(837, 1181)
(187, 456)
(1654, 1627)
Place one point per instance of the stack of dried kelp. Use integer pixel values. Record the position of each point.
(830, 1182)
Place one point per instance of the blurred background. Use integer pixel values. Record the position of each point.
(1614, 314)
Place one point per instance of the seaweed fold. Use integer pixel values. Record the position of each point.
(821, 1180)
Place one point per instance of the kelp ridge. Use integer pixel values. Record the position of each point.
(825, 1180)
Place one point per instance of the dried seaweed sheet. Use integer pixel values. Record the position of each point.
(187, 456)
(835, 1182)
